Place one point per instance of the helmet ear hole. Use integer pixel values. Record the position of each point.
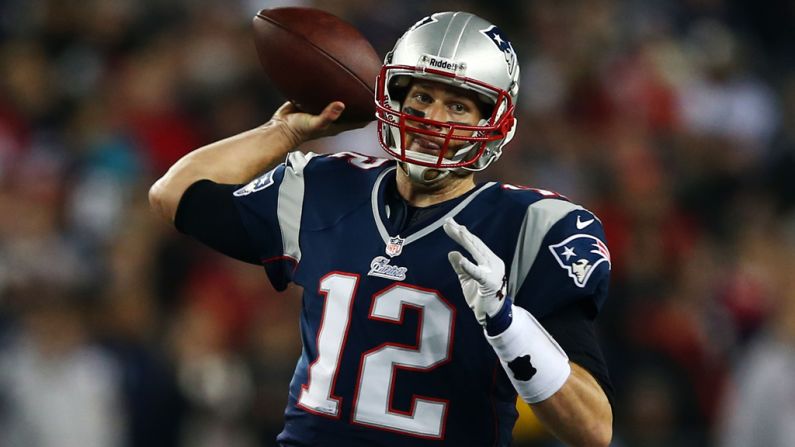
(485, 108)
(399, 87)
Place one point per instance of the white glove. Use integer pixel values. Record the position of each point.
(534, 362)
(483, 284)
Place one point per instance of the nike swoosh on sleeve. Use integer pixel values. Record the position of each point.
(581, 224)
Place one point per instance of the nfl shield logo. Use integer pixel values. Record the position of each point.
(395, 246)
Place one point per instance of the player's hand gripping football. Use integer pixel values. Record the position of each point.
(300, 127)
(484, 283)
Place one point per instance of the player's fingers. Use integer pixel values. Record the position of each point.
(462, 266)
(460, 234)
(473, 271)
(480, 251)
(453, 230)
(455, 258)
(329, 114)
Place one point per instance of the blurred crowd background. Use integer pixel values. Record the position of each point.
(673, 120)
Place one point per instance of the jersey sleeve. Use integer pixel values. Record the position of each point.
(561, 258)
(270, 207)
(573, 329)
(207, 213)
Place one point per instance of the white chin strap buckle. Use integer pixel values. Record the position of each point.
(417, 173)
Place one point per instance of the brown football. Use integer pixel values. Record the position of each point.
(314, 57)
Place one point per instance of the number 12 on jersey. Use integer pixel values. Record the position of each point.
(372, 404)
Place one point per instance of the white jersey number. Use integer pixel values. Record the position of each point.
(372, 401)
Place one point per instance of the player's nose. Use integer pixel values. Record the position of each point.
(436, 112)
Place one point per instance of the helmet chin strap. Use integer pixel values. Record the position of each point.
(417, 173)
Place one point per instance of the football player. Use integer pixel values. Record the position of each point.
(430, 301)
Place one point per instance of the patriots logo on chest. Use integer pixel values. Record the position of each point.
(579, 255)
(380, 266)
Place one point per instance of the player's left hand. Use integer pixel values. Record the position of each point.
(484, 283)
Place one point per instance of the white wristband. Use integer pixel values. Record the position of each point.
(534, 362)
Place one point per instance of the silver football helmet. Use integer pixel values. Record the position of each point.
(462, 50)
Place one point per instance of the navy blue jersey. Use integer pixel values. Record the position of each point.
(392, 355)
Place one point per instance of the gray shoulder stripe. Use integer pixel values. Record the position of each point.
(291, 203)
(298, 160)
(540, 217)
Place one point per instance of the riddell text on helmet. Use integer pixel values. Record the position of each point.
(442, 64)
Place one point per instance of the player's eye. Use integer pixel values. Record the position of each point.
(458, 108)
(422, 98)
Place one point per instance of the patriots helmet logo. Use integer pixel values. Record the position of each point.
(579, 255)
(423, 21)
(498, 38)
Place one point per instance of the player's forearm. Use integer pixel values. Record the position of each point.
(233, 160)
(578, 414)
(567, 399)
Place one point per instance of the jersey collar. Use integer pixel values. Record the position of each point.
(376, 199)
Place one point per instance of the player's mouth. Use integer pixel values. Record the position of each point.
(425, 145)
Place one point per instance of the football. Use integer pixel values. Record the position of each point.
(313, 58)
